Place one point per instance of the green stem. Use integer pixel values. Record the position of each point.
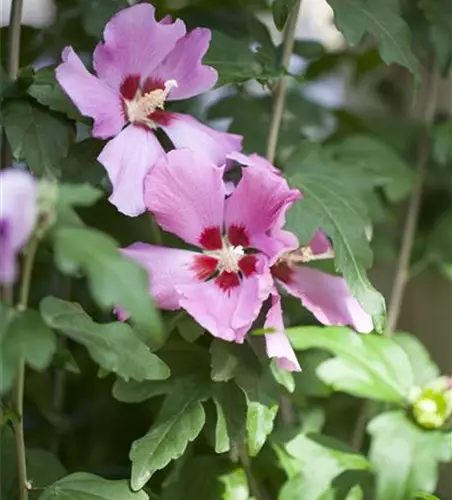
(280, 90)
(12, 63)
(20, 378)
(14, 39)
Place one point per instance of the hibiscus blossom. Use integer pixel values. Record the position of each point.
(224, 284)
(327, 297)
(17, 219)
(140, 65)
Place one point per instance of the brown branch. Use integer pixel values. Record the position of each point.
(280, 90)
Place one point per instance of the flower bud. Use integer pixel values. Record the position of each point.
(432, 404)
(47, 202)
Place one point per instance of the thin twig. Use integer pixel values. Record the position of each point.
(20, 378)
(12, 64)
(255, 489)
(280, 90)
(409, 231)
(15, 18)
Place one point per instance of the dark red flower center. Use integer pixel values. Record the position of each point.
(226, 259)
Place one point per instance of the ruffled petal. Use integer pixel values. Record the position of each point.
(320, 243)
(256, 205)
(93, 97)
(168, 269)
(328, 298)
(277, 343)
(186, 194)
(135, 44)
(183, 64)
(8, 264)
(18, 211)
(227, 315)
(127, 158)
(253, 160)
(18, 204)
(186, 132)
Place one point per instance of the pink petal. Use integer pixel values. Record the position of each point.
(227, 315)
(257, 204)
(186, 132)
(18, 204)
(135, 44)
(183, 64)
(320, 243)
(277, 343)
(328, 298)
(168, 269)
(127, 158)
(186, 194)
(93, 97)
(18, 211)
(253, 160)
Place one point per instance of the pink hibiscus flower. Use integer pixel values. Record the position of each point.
(224, 285)
(326, 296)
(142, 64)
(18, 211)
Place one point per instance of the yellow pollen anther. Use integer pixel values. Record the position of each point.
(228, 257)
(142, 106)
(304, 254)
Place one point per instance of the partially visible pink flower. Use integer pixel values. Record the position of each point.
(140, 65)
(224, 284)
(326, 296)
(18, 213)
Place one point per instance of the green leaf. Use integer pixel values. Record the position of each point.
(420, 495)
(237, 62)
(36, 136)
(381, 19)
(188, 329)
(414, 457)
(79, 195)
(27, 337)
(262, 408)
(47, 91)
(179, 422)
(330, 204)
(82, 486)
(371, 163)
(43, 468)
(132, 391)
(439, 248)
(114, 346)
(95, 15)
(114, 280)
(442, 142)
(283, 377)
(231, 410)
(318, 466)
(423, 367)
(356, 493)
(218, 481)
(369, 366)
(281, 10)
(235, 361)
(81, 163)
(439, 15)
(224, 361)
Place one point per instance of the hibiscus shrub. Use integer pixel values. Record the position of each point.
(186, 224)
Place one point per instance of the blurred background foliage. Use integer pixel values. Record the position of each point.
(350, 117)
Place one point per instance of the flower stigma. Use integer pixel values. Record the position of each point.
(228, 257)
(143, 105)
